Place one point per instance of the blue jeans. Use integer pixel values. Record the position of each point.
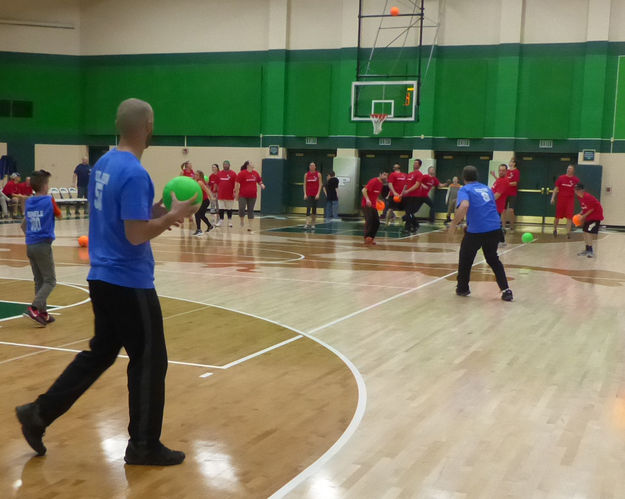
(332, 210)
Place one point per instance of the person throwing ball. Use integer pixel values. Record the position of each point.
(591, 217)
(477, 202)
(126, 307)
(370, 194)
(564, 191)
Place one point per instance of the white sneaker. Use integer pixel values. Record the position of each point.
(230, 224)
(218, 224)
(306, 227)
(312, 227)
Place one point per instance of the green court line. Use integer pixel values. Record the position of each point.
(353, 229)
(14, 309)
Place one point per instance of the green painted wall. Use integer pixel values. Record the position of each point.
(501, 97)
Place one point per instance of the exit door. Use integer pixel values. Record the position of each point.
(374, 162)
(539, 173)
(297, 166)
(450, 165)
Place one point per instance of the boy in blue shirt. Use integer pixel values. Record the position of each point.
(477, 202)
(126, 308)
(38, 225)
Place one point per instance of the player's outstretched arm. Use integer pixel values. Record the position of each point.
(141, 231)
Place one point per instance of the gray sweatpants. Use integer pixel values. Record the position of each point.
(246, 206)
(42, 263)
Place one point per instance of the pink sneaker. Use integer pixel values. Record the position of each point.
(35, 316)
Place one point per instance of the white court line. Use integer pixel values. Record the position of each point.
(86, 300)
(356, 418)
(399, 295)
(261, 352)
(41, 351)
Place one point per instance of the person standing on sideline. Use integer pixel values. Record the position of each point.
(477, 202)
(332, 197)
(370, 194)
(514, 177)
(396, 183)
(81, 180)
(200, 214)
(121, 287)
(409, 197)
(452, 197)
(591, 215)
(38, 225)
(186, 170)
(564, 191)
(226, 180)
(312, 190)
(213, 180)
(245, 192)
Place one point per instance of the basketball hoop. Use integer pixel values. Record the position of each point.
(377, 120)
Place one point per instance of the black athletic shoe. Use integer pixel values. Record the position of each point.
(138, 454)
(33, 428)
(463, 293)
(506, 295)
(555, 233)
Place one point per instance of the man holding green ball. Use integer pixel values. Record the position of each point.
(126, 307)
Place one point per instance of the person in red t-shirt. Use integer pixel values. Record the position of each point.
(200, 214)
(370, 194)
(187, 170)
(501, 188)
(410, 197)
(428, 182)
(396, 182)
(13, 190)
(564, 191)
(213, 180)
(226, 180)
(246, 191)
(591, 215)
(312, 190)
(514, 177)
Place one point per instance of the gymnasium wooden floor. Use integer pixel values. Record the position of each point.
(310, 366)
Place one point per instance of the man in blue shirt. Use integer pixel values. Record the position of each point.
(121, 286)
(477, 202)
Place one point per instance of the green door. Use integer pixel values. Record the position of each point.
(538, 176)
(450, 164)
(297, 166)
(373, 162)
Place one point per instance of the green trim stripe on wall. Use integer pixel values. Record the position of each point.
(500, 96)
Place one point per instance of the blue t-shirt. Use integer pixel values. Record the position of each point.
(82, 175)
(119, 189)
(39, 219)
(482, 215)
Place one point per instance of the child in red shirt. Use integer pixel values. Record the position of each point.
(370, 194)
(591, 215)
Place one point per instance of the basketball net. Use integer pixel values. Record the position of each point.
(377, 120)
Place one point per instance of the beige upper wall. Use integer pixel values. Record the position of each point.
(39, 39)
(60, 161)
(163, 26)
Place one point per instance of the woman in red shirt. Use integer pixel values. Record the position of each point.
(187, 169)
(246, 192)
(200, 214)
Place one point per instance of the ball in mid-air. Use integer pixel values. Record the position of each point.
(394, 11)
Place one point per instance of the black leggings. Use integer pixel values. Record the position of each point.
(311, 205)
(200, 214)
(471, 243)
(129, 318)
(372, 221)
(410, 206)
(221, 214)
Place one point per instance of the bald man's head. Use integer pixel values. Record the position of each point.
(135, 119)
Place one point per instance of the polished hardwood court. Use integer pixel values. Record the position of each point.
(307, 365)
